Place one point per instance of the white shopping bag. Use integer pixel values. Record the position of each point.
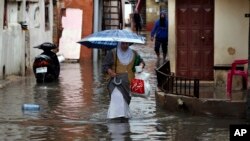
(140, 86)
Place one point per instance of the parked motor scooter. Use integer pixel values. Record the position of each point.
(46, 66)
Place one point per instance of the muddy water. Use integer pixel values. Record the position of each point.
(75, 108)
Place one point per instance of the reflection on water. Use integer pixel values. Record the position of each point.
(75, 108)
(119, 131)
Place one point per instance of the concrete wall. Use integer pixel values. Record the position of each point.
(37, 31)
(1, 35)
(230, 31)
(13, 50)
(171, 34)
(87, 23)
(201, 106)
(15, 42)
(71, 34)
(12, 57)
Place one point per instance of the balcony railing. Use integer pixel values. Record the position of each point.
(169, 83)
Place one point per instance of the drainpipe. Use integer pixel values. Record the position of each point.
(248, 70)
(96, 11)
(95, 51)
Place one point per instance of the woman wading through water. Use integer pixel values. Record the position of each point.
(119, 65)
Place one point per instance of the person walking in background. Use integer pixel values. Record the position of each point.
(159, 33)
(119, 65)
(138, 22)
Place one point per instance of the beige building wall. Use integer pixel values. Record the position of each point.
(230, 31)
(172, 34)
(152, 13)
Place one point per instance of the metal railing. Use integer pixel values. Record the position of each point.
(169, 83)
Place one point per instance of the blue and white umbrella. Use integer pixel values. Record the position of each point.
(108, 39)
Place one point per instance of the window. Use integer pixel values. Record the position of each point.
(47, 22)
(5, 21)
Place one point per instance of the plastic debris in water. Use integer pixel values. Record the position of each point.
(31, 107)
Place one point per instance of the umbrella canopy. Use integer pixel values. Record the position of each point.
(108, 39)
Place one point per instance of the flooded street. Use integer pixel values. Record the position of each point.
(75, 109)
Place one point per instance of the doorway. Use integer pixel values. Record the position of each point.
(195, 38)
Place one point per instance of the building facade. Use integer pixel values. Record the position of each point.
(207, 33)
(23, 25)
(204, 34)
(77, 22)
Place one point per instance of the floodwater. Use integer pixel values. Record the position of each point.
(75, 109)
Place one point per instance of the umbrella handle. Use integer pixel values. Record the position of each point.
(117, 83)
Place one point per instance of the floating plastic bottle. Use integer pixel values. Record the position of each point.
(31, 107)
